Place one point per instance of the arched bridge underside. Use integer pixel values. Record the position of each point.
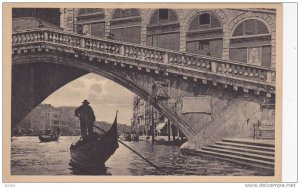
(44, 60)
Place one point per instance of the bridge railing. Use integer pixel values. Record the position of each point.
(212, 65)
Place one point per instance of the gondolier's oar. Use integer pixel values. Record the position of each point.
(158, 168)
(139, 155)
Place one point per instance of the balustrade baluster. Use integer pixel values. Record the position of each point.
(54, 37)
(246, 72)
(19, 39)
(28, 38)
(38, 37)
(14, 39)
(95, 45)
(23, 38)
(50, 37)
(166, 58)
(203, 64)
(35, 36)
(229, 68)
(273, 76)
(82, 42)
(262, 75)
(214, 67)
(87, 44)
(208, 65)
(197, 62)
(31, 38)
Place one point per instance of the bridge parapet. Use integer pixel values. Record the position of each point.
(160, 60)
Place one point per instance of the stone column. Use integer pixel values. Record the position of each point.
(107, 19)
(143, 27)
(68, 20)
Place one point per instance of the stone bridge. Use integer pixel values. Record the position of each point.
(43, 60)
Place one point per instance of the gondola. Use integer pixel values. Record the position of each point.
(94, 152)
(48, 138)
(50, 135)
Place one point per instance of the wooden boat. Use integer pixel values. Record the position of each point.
(50, 135)
(48, 138)
(135, 137)
(125, 136)
(94, 152)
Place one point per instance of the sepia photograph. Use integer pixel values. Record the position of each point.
(143, 90)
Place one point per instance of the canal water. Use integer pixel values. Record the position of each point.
(30, 157)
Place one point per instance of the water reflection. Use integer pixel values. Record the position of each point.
(78, 170)
(29, 157)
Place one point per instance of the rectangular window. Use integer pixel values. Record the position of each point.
(203, 45)
(254, 55)
(163, 14)
(204, 19)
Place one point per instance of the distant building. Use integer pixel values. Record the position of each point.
(69, 124)
(142, 118)
(45, 116)
(242, 35)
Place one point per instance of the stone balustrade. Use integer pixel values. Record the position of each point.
(205, 64)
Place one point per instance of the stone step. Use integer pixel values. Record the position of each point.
(240, 153)
(236, 145)
(251, 142)
(237, 159)
(253, 151)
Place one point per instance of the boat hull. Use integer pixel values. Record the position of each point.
(46, 138)
(92, 154)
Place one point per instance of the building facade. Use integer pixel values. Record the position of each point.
(142, 119)
(45, 116)
(242, 35)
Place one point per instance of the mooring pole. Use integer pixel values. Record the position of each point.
(173, 132)
(169, 130)
(153, 127)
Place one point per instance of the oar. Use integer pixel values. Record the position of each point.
(158, 168)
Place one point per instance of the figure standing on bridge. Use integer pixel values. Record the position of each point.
(87, 118)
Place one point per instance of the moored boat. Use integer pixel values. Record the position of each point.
(94, 152)
(125, 136)
(135, 137)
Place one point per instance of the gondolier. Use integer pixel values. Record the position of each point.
(87, 118)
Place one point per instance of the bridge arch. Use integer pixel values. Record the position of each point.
(219, 85)
(108, 71)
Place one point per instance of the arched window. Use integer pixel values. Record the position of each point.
(251, 43)
(204, 20)
(205, 35)
(162, 16)
(90, 22)
(163, 29)
(126, 25)
(250, 27)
